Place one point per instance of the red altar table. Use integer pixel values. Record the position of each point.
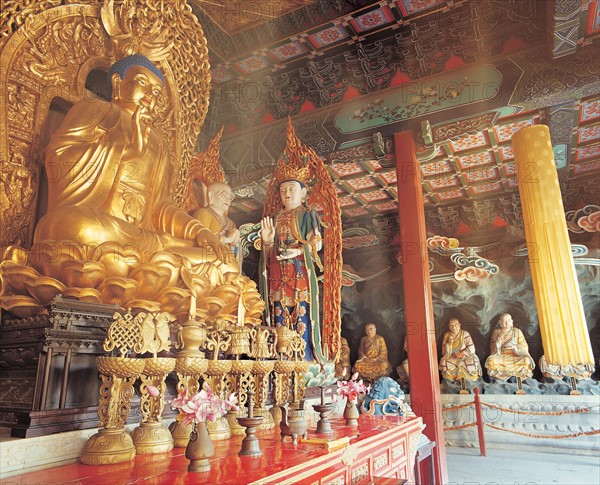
(385, 447)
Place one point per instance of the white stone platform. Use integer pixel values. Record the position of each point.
(528, 423)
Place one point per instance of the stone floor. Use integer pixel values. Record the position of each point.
(502, 467)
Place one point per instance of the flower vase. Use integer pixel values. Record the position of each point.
(351, 413)
(199, 449)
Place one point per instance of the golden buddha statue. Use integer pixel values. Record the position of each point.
(108, 170)
(372, 360)
(459, 360)
(509, 352)
(111, 227)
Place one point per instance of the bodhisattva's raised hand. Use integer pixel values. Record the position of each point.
(267, 231)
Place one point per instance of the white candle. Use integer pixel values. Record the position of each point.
(241, 311)
(193, 306)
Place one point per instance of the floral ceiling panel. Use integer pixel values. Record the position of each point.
(441, 182)
(389, 206)
(449, 195)
(485, 188)
(328, 36)
(588, 133)
(476, 140)
(475, 159)
(586, 167)
(589, 110)
(472, 176)
(504, 133)
(374, 18)
(345, 169)
(436, 168)
(361, 183)
(587, 152)
(287, 51)
(356, 212)
(411, 7)
(252, 64)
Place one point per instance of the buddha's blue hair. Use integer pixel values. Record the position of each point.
(122, 66)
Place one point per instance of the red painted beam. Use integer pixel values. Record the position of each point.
(418, 309)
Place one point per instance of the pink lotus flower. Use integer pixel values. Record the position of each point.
(153, 391)
(351, 388)
(202, 406)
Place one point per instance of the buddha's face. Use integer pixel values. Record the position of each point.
(506, 322)
(454, 326)
(139, 87)
(292, 194)
(370, 330)
(220, 197)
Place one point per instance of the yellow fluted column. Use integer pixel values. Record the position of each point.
(560, 310)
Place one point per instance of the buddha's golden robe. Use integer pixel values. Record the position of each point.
(98, 194)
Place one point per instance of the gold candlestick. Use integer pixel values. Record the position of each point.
(250, 444)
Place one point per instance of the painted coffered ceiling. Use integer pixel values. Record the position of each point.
(234, 16)
(463, 75)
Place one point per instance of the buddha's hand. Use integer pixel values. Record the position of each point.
(206, 238)
(267, 231)
(139, 136)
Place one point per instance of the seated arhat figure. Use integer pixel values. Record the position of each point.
(402, 369)
(110, 195)
(372, 360)
(509, 352)
(459, 360)
(342, 365)
(214, 216)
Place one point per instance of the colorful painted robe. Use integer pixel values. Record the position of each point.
(290, 286)
(459, 359)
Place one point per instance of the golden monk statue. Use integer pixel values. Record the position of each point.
(459, 360)
(402, 369)
(108, 170)
(342, 365)
(509, 352)
(372, 360)
(214, 217)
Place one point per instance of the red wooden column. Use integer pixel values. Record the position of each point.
(418, 309)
